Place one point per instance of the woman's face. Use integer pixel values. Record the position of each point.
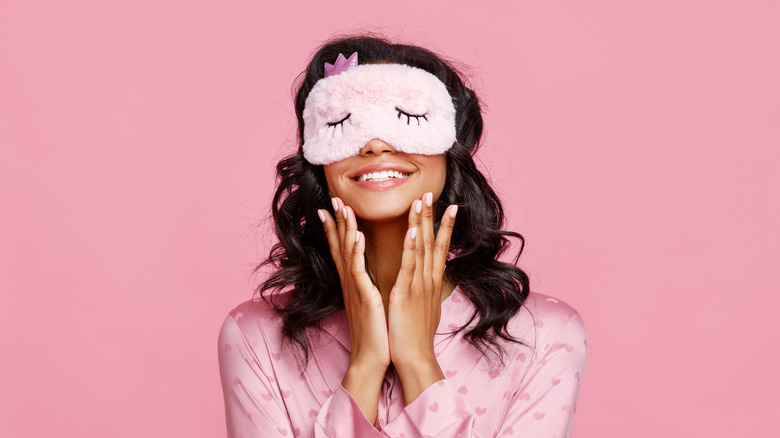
(381, 183)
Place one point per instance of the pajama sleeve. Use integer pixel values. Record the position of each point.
(439, 411)
(253, 405)
(341, 416)
(254, 408)
(545, 402)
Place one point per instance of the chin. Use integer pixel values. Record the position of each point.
(384, 213)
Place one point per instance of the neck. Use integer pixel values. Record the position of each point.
(384, 249)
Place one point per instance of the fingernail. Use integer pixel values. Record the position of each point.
(429, 199)
(453, 210)
(357, 236)
(413, 234)
(335, 204)
(321, 215)
(418, 207)
(345, 212)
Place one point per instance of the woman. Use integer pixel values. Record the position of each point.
(388, 312)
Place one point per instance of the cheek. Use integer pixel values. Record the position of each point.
(333, 173)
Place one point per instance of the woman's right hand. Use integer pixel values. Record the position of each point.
(365, 311)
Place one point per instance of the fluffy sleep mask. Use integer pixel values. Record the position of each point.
(406, 107)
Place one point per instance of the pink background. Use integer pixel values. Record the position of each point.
(636, 146)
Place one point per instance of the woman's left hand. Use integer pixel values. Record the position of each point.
(414, 308)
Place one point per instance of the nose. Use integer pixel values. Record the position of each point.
(376, 147)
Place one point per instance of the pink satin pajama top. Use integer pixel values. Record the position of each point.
(533, 394)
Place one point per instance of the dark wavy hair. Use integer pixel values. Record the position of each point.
(301, 259)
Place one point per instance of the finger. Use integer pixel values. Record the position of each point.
(358, 268)
(415, 221)
(338, 212)
(350, 231)
(443, 237)
(403, 283)
(332, 233)
(414, 213)
(427, 235)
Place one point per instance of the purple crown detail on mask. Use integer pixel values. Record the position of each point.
(342, 64)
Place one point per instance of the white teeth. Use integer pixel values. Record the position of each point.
(381, 176)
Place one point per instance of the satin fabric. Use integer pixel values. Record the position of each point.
(533, 394)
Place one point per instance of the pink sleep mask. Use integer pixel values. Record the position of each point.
(404, 106)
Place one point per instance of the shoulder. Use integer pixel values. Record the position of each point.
(556, 328)
(253, 322)
(545, 320)
(551, 311)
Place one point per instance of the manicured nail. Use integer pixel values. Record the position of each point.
(418, 207)
(335, 204)
(429, 199)
(357, 236)
(321, 215)
(453, 210)
(413, 234)
(345, 212)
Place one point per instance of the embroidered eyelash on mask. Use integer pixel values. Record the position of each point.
(410, 116)
(340, 122)
(380, 101)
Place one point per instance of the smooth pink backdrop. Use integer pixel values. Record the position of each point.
(636, 145)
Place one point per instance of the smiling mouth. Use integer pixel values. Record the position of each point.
(383, 175)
